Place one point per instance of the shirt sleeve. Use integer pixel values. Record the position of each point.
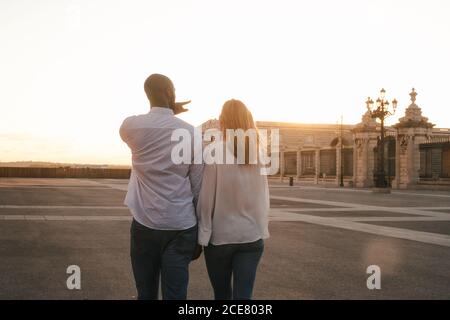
(195, 177)
(206, 203)
(196, 167)
(123, 131)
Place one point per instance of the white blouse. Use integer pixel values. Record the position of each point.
(233, 205)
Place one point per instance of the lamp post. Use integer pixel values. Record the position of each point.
(381, 109)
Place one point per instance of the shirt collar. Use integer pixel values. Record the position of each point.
(161, 110)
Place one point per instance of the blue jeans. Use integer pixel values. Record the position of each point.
(233, 261)
(165, 254)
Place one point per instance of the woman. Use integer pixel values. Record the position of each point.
(233, 209)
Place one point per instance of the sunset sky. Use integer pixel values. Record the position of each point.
(71, 71)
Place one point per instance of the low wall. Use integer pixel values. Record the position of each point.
(17, 172)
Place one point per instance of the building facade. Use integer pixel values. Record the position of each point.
(417, 155)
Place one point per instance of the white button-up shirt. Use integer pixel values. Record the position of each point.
(161, 195)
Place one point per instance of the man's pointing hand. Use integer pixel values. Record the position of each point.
(179, 107)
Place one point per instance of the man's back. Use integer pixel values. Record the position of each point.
(160, 193)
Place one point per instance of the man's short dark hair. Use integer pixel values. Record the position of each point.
(155, 85)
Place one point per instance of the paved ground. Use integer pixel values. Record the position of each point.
(322, 241)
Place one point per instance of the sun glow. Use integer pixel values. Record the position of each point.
(73, 70)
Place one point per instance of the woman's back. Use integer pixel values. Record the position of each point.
(233, 204)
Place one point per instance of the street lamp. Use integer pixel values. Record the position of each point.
(381, 109)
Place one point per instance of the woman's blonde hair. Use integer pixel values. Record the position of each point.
(236, 116)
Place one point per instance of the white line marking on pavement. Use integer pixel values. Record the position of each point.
(324, 202)
(361, 219)
(88, 184)
(422, 194)
(13, 217)
(64, 218)
(56, 187)
(303, 187)
(358, 190)
(362, 207)
(117, 186)
(425, 237)
(431, 208)
(62, 207)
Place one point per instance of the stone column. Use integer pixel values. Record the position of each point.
(282, 165)
(354, 165)
(362, 164)
(421, 135)
(317, 165)
(365, 137)
(299, 164)
(396, 181)
(338, 163)
(408, 161)
(371, 159)
(412, 130)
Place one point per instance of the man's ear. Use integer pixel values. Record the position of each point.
(169, 93)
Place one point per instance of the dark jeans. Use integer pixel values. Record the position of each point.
(165, 253)
(233, 261)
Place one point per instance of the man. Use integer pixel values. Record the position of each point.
(161, 196)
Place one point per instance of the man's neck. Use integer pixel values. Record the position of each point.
(161, 109)
(160, 106)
